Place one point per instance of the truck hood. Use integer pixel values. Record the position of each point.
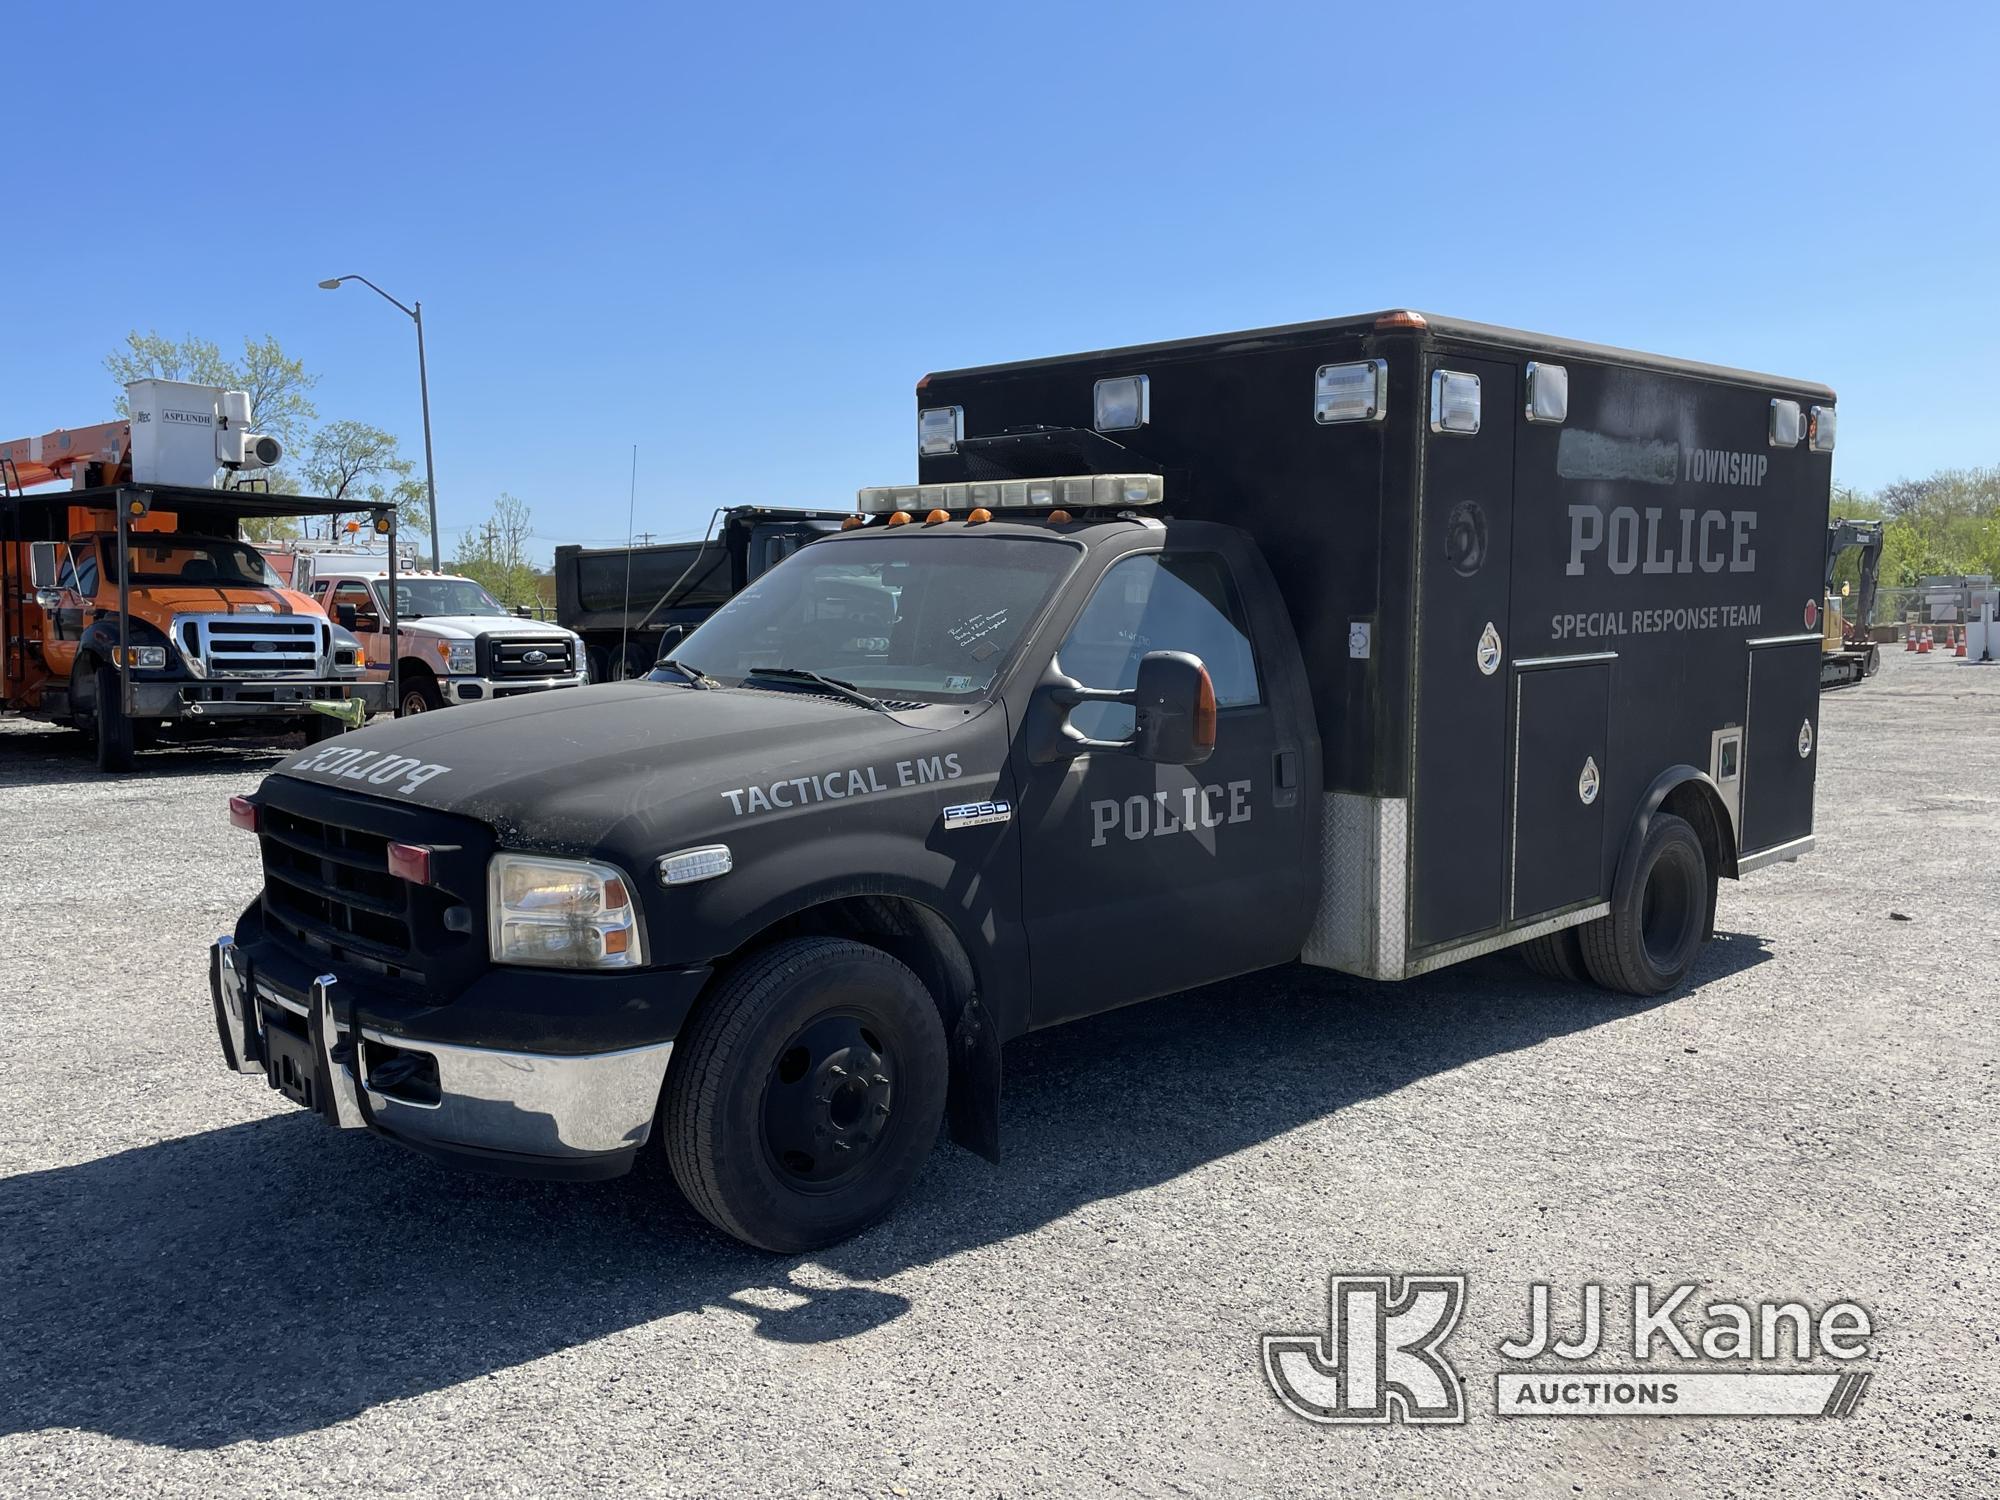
(465, 627)
(564, 769)
(164, 599)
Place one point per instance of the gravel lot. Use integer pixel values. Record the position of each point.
(207, 1292)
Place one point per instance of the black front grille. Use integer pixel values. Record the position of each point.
(331, 889)
(530, 658)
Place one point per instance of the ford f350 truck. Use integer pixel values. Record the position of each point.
(1379, 643)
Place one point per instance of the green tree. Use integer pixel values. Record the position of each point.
(352, 460)
(495, 553)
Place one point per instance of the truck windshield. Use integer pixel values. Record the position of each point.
(417, 597)
(933, 619)
(211, 561)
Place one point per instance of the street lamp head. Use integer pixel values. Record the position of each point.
(333, 285)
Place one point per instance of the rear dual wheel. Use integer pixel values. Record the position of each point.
(805, 1094)
(1649, 941)
(1654, 932)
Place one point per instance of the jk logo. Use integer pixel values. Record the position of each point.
(1378, 1360)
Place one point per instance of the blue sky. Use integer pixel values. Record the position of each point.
(737, 235)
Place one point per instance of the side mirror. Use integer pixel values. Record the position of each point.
(1175, 706)
(44, 561)
(521, 612)
(671, 637)
(364, 624)
(346, 615)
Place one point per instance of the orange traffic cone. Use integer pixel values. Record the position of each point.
(1924, 645)
(1910, 638)
(1958, 641)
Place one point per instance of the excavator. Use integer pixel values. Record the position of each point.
(1849, 653)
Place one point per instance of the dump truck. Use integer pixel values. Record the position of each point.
(628, 602)
(1381, 643)
(130, 605)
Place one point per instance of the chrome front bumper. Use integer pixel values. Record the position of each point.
(486, 689)
(521, 1108)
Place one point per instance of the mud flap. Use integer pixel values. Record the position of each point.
(974, 1102)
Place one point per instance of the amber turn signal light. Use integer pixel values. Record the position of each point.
(1204, 713)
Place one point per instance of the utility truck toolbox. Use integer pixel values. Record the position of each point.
(1382, 643)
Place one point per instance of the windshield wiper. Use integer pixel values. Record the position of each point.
(846, 690)
(695, 676)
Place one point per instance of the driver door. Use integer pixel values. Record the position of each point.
(349, 591)
(1142, 878)
(77, 583)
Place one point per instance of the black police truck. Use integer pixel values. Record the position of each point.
(1378, 643)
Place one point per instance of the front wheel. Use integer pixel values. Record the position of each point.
(420, 696)
(1654, 931)
(805, 1094)
(112, 727)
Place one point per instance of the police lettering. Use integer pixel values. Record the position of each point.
(1649, 541)
(1185, 811)
(376, 767)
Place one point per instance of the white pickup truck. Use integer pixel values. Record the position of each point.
(456, 642)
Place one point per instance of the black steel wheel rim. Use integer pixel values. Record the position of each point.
(828, 1100)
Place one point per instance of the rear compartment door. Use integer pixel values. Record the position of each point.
(1562, 719)
(1781, 743)
(1465, 542)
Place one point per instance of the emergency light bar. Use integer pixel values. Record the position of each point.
(1070, 492)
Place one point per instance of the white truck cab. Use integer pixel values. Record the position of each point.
(456, 642)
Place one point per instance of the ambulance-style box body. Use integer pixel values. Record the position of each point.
(1538, 585)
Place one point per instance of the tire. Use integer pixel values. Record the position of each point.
(1556, 956)
(596, 663)
(633, 662)
(111, 729)
(420, 695)
(812, 1043)
(1656, 928)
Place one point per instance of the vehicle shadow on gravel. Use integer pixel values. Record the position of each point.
(58, 757)
(277, 1277)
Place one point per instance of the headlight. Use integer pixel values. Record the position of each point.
(146, 656)
(459, 657)
(561, 913)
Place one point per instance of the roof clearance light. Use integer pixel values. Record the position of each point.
(1121, 403)
(1819, 435)
(1351, 393)
(1077, 491)
(1784, 424)
(1454, 402)
(938, 429)
(1548, 392)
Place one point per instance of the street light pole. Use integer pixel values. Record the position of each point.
(430, 483)
(415, 315)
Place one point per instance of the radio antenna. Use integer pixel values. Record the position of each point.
(625, 613)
